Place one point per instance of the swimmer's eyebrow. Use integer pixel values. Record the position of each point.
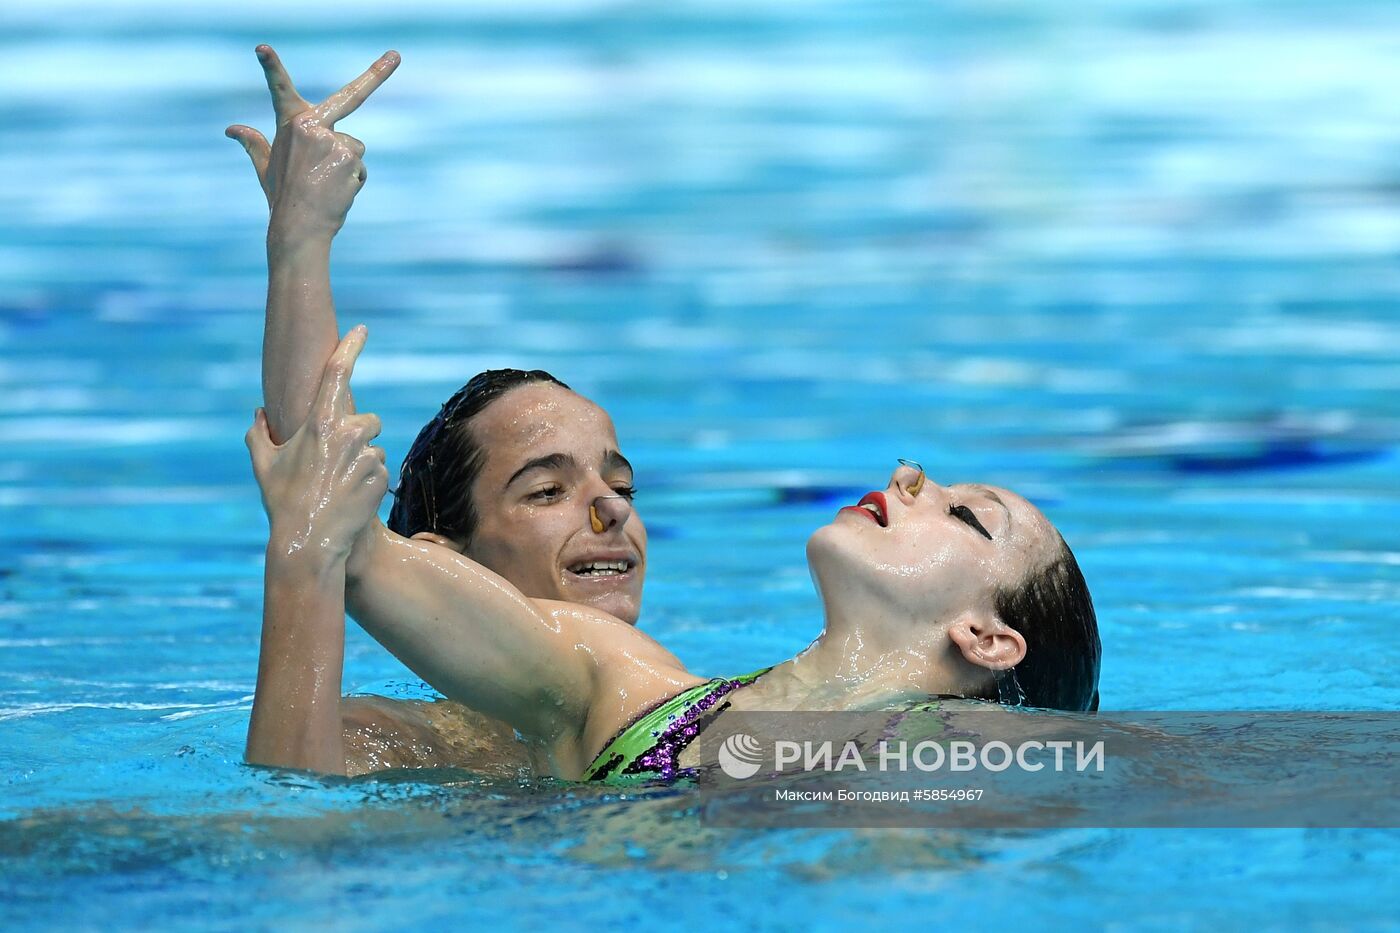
(994, 497)
(559, 461)
(989, 494)
(612, 460)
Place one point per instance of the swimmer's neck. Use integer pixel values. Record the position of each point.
(849, 671)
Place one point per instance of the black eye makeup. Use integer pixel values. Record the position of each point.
(965, 515)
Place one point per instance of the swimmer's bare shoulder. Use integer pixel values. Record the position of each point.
(383, 733)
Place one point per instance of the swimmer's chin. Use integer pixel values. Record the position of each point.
(826, 540)
(618, 596)
(834, 548)
(625, 608)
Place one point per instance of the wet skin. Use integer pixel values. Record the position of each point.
(947, 549)
(550, 502)
(551, 455)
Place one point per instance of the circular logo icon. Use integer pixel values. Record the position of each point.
(740, 756)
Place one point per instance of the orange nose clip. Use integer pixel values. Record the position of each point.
(594, 520)
(918, 483)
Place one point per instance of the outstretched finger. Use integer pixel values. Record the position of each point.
(333, 397)
(253, 143)
(346, 100)
(286, 102)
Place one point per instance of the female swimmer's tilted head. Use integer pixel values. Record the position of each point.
(972, 572)
(524, 476)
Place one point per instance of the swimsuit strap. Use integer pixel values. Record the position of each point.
(647, 747)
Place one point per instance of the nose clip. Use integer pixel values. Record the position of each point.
(595, 521)
(918, 484)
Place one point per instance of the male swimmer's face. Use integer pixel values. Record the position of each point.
(932, 551)
(550, 455)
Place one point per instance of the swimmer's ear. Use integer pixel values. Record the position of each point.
(443, 540)
(987, 641)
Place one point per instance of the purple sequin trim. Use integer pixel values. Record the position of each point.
(680, 732)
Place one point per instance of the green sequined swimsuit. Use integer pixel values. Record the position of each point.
(648, 748)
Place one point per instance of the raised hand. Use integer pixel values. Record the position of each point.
(310, 173)
(323, 486)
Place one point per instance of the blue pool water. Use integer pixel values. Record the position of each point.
(1136, 260)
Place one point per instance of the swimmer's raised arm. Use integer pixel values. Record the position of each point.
(319, 490)
(310, 174)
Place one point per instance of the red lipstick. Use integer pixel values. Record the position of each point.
(877, 499)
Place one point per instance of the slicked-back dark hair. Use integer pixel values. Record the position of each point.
(1053, 612)
(435, 483)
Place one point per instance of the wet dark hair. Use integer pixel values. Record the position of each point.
(435, 482)
(1053, 612)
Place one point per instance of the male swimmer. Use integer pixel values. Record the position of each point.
(517, 472)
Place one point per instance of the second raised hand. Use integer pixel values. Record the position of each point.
(322, 487)
(310, 173)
